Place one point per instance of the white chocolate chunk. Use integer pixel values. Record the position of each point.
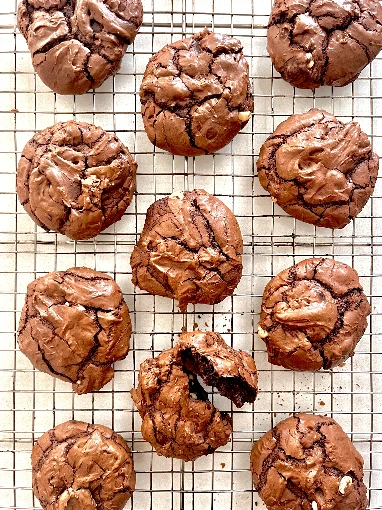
(90, 180)
(310, 64)
(67, 304)
(80, 307)
(344, 484)
(177, 194)
(314, 505)
(261, 332)
(244, 116)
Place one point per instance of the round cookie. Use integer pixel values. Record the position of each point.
(313, 315)
(233, 372)
(177, 418)
(196, 94)
(76, 45)
(79, 466)
(307, 462)
(74, 325)
(75, 179)
(323, 42)
(190, 249)
(318, 169)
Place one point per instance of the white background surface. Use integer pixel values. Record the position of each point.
(32, 402)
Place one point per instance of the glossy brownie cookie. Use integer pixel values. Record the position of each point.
(77, 44)
(318, 169)
(313, 315)
(190, 249)
(233, 372)
(324, 42)
(74, 325)
(196, 94)
(177, 418)
(76, 179)
(78, 466)
(307, 462)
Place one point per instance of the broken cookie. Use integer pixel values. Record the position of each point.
(307, 462)
(190, 249)
(313, 315)
(74, 325)
(77, 45)
(196, 94)
(233, 372)
(323, 42)
(177, 418)
(75, 179)
(318, 169)
(79, 466)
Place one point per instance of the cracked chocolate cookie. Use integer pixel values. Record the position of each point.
(177, 418)
(307, 462)
(77, 44)
(78, 466)
(313, 315)
(324, 42)
(233, 372)
(318, 169)
(190, 249)
(196, 94)
(74, 325)
(75, 179)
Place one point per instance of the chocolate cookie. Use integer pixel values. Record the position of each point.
(324, 42)
(313, 315)
(190, 249)
(196, 94)
(307, 462)
(233, 372)
(78, 466)
(77, 44)
(76, 179)
(74, 325)
(318, 169)
(177, 418)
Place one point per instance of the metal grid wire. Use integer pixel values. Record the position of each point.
(32, 402)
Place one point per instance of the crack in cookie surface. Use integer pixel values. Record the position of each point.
(77, 44)
(313, 315)
(307, 462)
(318, 169)
(196, 94)
(84, 466)
(74, 325)
(76, 179)
(323, 42)
(177, 418)
(190, 249)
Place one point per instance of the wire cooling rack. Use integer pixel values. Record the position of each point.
(32, 402)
